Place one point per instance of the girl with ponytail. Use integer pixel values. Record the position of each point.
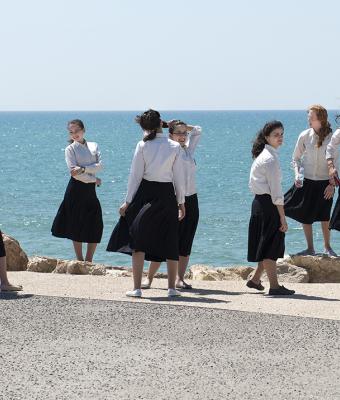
(267, 226)
(148, 224)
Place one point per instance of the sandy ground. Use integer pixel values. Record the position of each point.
(310, 300)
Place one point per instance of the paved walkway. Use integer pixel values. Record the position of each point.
(83, 342)
(311, 300)
(54, 348)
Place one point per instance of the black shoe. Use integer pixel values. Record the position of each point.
(281, 291)
(254, 285)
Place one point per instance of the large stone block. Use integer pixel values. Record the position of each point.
(17, 259)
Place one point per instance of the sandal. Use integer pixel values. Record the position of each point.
(183, 285)
(11, 288)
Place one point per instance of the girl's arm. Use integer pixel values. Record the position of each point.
(136, 173)
(299, 150)
(96, 167)
(76, 171)
(195, 136)
(273, 175)
(331, 153)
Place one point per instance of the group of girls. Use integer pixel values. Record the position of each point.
(159, 217)
(309, 200)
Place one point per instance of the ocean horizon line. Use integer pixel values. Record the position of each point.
(162, 110)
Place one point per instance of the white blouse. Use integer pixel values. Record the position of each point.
(157, 160)
(189, 161)
(85, 155)
(332, 147)
(311, 157)
(265, 175)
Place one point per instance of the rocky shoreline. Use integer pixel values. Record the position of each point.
(298, 269)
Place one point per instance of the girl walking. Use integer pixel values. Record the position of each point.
(267, 226)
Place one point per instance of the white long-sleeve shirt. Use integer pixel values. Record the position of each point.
(311, 157)
(265, 175)
(189, 161)
(332, 147)
(85, 155)
(157, 160)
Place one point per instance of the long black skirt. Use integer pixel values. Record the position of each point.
(188, 225)
(2, 246)
(79, 217)
(265, 240)
(334, 223)
(308, 204)
(150, 223)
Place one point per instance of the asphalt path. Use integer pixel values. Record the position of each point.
(67, 348)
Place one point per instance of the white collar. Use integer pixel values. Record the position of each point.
(75, 143)
(271, 149)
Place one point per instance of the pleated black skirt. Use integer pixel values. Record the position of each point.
(334, 223)
(265, 241)
(79, 217)
(2, 246)
(150, 223)
(308, 204)
(188, 225)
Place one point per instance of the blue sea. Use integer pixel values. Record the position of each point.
(34, 177)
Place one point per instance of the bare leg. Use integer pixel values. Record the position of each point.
(3, 272)
(182, 266)
(308, 230)
(4, 282)
(258, 273)
(91, 248)
(137, 268)
(172, 272)
(270, 267)
(153, 268)
(326, 234)
(78, 248)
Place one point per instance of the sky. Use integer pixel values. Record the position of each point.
(169, 55)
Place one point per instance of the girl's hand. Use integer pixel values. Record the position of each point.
(333, 176)
(284, 225)
(329, 192)
(298, 183)
(172, 122)
(98, 181)
(123, 208)
(181, 211)
(76, 171)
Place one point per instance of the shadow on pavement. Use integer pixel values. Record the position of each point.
(14, 296)
(186, 299)
(302, 297)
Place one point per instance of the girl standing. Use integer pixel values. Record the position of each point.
(5, 285)
(267, 226)
(331, 156)
(179, 132)
(310, 198)
(148, 226)
(79, 217)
